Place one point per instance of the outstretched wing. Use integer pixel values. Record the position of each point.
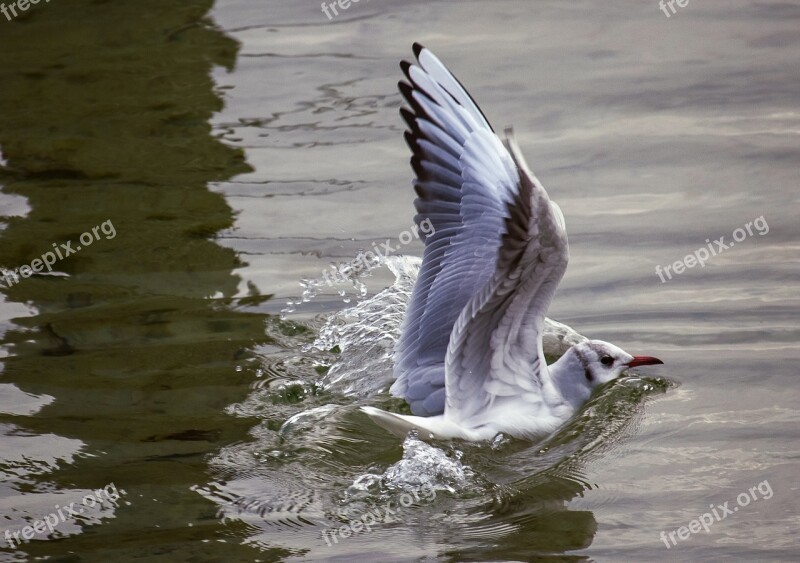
(495, 347)
(468, 186)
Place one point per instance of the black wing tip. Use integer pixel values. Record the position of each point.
(406, 90)
(417, 48)
(416, 166)
(411, 141)
(410, 119)
(405, 66)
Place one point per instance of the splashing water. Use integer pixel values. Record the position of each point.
(423, 468)
(422, 465)
(350, 273)
(426, 465)
(365, 335)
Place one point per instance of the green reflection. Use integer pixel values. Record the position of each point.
(105, 117)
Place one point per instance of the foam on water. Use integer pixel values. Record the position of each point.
(422, 465)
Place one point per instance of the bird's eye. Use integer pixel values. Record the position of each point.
(606, 360)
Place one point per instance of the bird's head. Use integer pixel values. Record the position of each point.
(592, 363)
(601, 362)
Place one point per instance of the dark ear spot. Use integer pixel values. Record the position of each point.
(588, 375)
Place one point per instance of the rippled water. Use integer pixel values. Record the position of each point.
(197, 361)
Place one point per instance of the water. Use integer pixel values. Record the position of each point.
(238, 148)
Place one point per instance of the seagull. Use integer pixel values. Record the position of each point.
(470, 361)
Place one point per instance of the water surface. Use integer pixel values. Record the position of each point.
(238, 148)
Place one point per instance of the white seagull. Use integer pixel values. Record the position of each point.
(470, 361)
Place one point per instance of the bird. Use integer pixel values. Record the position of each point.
(470, 361)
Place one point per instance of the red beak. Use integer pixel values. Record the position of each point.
(643, 361)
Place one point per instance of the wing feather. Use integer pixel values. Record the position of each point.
(455, 154)
(508, 313)
(485, 208)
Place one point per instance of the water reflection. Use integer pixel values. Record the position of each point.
(128, 361)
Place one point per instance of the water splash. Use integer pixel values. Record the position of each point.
(423, 467)
(344, 273)
(426, 465)
(365, 334)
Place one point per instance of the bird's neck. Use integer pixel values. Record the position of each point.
(569, 378)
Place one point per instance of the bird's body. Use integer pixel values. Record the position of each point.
(470, 361)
